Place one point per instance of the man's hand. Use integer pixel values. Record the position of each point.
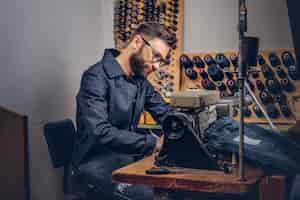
(159, 144)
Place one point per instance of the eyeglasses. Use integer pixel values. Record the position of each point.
(156, 56)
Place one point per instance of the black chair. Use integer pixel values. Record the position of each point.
(60, 137)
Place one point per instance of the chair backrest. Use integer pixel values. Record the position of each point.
(60, 137)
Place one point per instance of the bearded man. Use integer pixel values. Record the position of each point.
(113, 94)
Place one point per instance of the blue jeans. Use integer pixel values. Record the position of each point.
(274, 151)
(295, 189)
(98, 175)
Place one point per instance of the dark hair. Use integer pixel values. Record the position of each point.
(153, 30)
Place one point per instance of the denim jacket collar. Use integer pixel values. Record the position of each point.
(111, 65)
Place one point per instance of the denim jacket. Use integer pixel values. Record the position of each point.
(109, 105)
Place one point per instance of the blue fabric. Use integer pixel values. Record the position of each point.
(274, 151)
(98, 174)
(109, 105)
(295, 189)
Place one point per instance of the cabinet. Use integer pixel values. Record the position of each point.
(14, 171)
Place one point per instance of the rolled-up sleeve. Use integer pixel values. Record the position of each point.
(92, 117)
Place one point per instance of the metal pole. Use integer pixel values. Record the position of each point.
(242, 74)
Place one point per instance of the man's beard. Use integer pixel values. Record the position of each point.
(137, 64)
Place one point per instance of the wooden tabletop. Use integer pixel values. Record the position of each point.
(190, 179)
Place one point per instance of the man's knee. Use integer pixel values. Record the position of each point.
(133, 192)
(94, 182)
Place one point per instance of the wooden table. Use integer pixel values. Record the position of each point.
(207, 181)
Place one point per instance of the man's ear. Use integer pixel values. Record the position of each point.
(137, 42)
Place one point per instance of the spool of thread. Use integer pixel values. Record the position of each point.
(209, 60)
(293, 72)
(267, 71)
(287, 85)
(260, 85)
(287, 59)
(222, 61)
(285, 110)
(247, 112)
(185, 61)
(231, 84)
(191, 74)
(234, 60)
(273, 86)
(229, 75)
(208, 84)
(215, 73)
(274, 59)
(221, 86)
(261, 60)
(272, 111)
(281, 99)
(198, 62)
(257, 111)
(280, 72)
(203, 73)
(265, 97)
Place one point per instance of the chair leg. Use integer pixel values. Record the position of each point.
(67, 182)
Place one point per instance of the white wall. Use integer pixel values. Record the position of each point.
(211, 25)
(45, 45)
